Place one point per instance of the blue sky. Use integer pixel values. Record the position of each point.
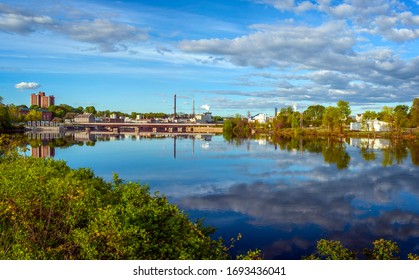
(234, 56)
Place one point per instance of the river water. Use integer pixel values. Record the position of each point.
(282, 196)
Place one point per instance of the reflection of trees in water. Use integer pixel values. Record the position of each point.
(333, 150)
(335, 153)
(414, 152)
(397, 151)
(367, 150)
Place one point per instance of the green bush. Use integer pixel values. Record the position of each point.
(50, 211)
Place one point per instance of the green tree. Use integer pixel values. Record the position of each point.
(331, 118)
(414, 113)
(34, 115)
(314, 115)
(331, 250)
(5, 122)
(90, 109)
(383, 250)
(401, 117)
(345, 111)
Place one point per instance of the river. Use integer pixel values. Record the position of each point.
(282, 196)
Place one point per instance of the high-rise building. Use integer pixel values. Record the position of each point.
(42, 100)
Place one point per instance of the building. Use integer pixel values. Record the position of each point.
(42, 100)
(84, 118)
(45, 115)
(204, 118)
(260, 118)
(374, 125)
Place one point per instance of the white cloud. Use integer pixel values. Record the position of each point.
(108, 34)
(16, 21)
(205, 107)
(27, 85)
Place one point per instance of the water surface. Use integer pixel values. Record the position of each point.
(282, 197)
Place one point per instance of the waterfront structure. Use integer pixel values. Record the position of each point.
(374, 125)
(204, 118)
(42, 100)
(84, 118)
(260, 118)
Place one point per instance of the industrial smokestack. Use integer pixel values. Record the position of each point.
(175, 107)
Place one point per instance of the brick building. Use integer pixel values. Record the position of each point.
(42, 100)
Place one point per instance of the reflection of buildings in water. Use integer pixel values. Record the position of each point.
(203, 137)
(261, 142)
(43, 135)
(205, 146)
(84, 136)
(43, 151)
(375, 144)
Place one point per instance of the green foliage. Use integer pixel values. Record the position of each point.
(383, 250)
(414, 113)
(335, 153)
(334, 250)
(236, 127)
(49, 211)
(331, 250)
(251, 255)
(5, 122)
(331, 118)
(90, 109)
(367, 118)
(313, 116)
(34, 115)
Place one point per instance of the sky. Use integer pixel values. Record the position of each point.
(234, 56)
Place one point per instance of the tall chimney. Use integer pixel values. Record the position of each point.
(276, 111)
(175, 107)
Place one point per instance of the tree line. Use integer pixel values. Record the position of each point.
(334, 119)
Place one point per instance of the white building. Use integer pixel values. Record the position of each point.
(204, 118)
(260, 118)
(368, 126)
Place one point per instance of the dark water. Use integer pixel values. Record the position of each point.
(282, 197)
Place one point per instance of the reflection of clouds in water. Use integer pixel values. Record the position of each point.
(361, 205)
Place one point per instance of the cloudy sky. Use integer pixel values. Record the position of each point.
(234, 56)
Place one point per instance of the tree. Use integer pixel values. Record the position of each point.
(414, 113)
(368, 119)
(90, 109)
(34, 115)
(331, 250)
(313, 116)
(5, 122)
(401, 117)
(344, 111)
(334, 250)
(383, 250)
(387, 115)
(331, 118)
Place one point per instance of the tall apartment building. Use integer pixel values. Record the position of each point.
(42, 100)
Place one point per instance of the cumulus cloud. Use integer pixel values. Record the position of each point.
(27, 85)
(18, 21)
(205, 107)
(107, 34)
